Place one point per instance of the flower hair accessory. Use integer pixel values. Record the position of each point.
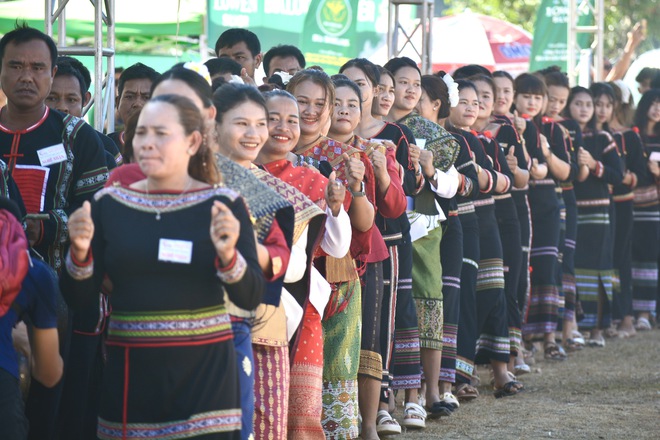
(199, 68)
(452, 88)
(235, 79)
(286, 77)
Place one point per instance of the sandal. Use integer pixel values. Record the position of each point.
(552, 352)
(521, 369)
(451, 400)
(643, 324)
(386, 425)
(414, 416)
(439, 409)
(597, 343)
(466, 392)
(573, 345)
(509, 389)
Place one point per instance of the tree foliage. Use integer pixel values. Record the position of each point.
(620, 16)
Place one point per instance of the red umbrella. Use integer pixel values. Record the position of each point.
(470, 38)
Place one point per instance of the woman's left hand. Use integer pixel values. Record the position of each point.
(225, 230)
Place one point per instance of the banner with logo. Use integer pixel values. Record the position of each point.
(549, 46)
(328, 32)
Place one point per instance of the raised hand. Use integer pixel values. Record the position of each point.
(426, 162)
(519, 123)
(585, 158)
(81, 231)
(379, 162)
(414, 152)
(354, 172)
(335, 193)
(225, 229)
(512, 160)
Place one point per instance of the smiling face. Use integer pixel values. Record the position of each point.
(346, 114)
(464, 115)
(581, 108)
(242, 132)
(283, 127)
(65, 95)
(313, 106)
(384, 99)
(529, 104)
(27, 74)
(160, 144)
(604, 108)
(407, 89)
(654, 112)
(504, 99)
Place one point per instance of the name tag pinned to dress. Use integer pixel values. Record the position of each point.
(52, 155)
(175, 251)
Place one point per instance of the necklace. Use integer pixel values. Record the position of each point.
(169, 205)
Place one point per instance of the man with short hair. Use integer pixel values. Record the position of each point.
(57, 162)
(70, 94)
(134, 88)
(283, 58)
(243, 47)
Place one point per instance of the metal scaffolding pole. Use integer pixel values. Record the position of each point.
(395, 27)
(576, 8)
(104, 87)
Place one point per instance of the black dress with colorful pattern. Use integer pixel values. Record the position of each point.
(171, 371)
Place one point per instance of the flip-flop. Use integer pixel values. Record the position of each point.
(466, 392)
(509, 389)
(439, 409)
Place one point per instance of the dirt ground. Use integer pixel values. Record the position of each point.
(598, 393)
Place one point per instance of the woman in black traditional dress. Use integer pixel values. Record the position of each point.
(492, 345)
(171, 370)
(543, 308)
(633, 164)
(506, 152)
(647, 121)
(599, 166)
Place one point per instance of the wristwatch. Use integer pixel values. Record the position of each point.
(360, 193)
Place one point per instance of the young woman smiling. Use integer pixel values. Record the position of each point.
(305, 410)
(315, 93)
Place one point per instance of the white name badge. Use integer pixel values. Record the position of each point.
(52, 155)
(175, 251)
(421, 143)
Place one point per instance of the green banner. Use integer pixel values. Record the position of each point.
(549, 46)
(328, 32)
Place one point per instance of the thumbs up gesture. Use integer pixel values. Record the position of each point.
(512, 161)
(354, 172)
(81, 231)
(335, 193)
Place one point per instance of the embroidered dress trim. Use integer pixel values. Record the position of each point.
(196, 425)
(163, 202)
(593, 202)
(179, 327)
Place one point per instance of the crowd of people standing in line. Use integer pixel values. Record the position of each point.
(278, 261)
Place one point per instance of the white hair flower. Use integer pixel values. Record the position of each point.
(286, 77)
(199, 68)
(452, 87)
(235, 79)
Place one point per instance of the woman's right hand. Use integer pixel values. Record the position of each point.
(519, 123)
(225, 229)
(335, 193)
(81, 231)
